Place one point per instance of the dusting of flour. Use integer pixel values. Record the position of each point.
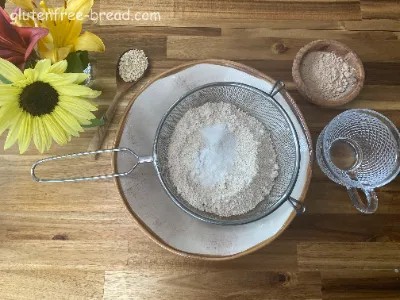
(221, 160)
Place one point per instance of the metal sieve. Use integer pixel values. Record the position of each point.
(252, 101)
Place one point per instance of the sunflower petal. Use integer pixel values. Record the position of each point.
(89, 42)
(42, 67)
(10, 72)
(69, 118)
(67, 121)
(64, 79)
(78, 90)
(37, 134)
(41, 136)
(60, 79)
(81, 77)
(77, 111)
(8, 114)
(59, 67)
(25, 133)
(47, 138)
(29, 75)
(79, 102)
(55, 130)
(14, 130)
(8, 93)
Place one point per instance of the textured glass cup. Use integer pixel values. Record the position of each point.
(359, 149)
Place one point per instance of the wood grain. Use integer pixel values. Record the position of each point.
(265, 48)
(326, 256)
(52, 284)
(364, 284)
(95, 255)
(386, 9)
(241, 284)
(78, 241)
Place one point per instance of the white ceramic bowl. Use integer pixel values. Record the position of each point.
(148, 202)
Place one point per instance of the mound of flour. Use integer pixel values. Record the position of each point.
(221, 160)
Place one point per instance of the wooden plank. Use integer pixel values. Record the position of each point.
(98, 255)
(375, 24)
(51, 284)
(247, 23)
(265, 48)
(378, 74)
(383, 9)
(71, 226)
(184, 284)
(343, 228)
(318, 256)
(331, 198)
(185, 12)
(153, 31)
(360, 284)
(300, 9)
(317, 117)
(319, 176)
(154, 47)
(31, 196)
(309, 34)
(280, 255)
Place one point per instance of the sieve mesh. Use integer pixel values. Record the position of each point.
(255, 103)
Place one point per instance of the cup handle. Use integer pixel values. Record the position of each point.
(372, 200)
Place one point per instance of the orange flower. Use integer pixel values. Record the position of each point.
(17, 43)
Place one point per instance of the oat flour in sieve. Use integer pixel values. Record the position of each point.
(222, 160)
(327, 75)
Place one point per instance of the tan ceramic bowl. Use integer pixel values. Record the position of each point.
(150, 205)
(339, 49)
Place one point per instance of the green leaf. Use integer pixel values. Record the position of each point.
(84, 56)
(95, 123)
(30, 64)
(77, 61)
(4, 80)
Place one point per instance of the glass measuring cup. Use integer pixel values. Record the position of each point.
(359, 149)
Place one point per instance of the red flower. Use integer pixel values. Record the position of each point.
(17, 43)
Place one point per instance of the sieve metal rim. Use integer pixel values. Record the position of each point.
(285, 197)
(391, 127)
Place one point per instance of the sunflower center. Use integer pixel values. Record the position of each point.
(38, 98)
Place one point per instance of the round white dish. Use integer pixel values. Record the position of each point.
(146, 199)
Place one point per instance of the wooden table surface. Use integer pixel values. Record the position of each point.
(78, 241)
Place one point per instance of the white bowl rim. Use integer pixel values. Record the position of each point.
(254, 73)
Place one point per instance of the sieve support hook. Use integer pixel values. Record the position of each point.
(277, 87)
(297, 205)
(139, 160)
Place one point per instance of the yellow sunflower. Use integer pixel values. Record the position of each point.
(44, 103)
(64, 25)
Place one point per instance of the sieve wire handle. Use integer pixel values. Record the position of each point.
(276, 88)
(372, 200)
(297, 205)
(139, 160)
